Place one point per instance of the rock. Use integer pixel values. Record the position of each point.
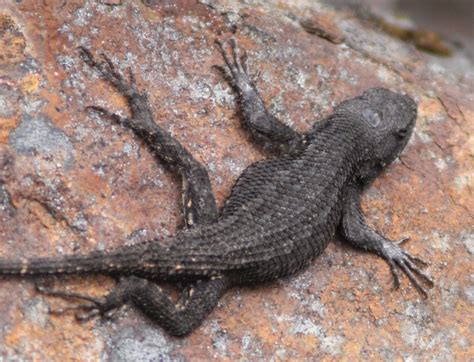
(72, 182)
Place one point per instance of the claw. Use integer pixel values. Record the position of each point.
(397, 258)
(62, 294)
(109, 62)
(73, 308)
(97, 109)
(402, 240)
(131, 76)
(413, 279)
(236, 53)
(220, 68)
(107, 114)
(395, 274)
(416, 260)
(244, 61)
(94, 311)
(87, 316)
(226, 57)
(95, 305)
(225, 73)
(426, 279)
(86, 55)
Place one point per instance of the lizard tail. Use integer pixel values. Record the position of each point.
(95, 262)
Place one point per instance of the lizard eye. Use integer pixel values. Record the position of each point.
(373, 118)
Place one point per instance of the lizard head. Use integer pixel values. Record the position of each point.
(387, 120)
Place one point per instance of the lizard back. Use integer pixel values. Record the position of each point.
(281, 212)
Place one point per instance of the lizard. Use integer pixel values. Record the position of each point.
(280, 215)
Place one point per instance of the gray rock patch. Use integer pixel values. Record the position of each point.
(40, 135)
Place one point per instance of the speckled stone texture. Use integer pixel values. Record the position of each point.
(72, 182)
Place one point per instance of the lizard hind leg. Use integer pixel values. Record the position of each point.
(179, 318)
(91, 306)
(199, 205)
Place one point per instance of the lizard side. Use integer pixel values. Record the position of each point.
(281, 213)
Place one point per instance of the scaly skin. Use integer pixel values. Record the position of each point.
(280, 215)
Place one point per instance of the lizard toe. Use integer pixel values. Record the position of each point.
(398, 258)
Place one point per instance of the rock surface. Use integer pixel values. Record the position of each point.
(71, 182)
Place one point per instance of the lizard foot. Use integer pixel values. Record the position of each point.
(398, 258)
(138, 101)
(235, 71)
(107, 70)
(83, 312)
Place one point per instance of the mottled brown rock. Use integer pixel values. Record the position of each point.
(323, 26)
(71, 182)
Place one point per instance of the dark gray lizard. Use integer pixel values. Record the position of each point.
(280, 215)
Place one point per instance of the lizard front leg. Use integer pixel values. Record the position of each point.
(359, 234)
(264, 127)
